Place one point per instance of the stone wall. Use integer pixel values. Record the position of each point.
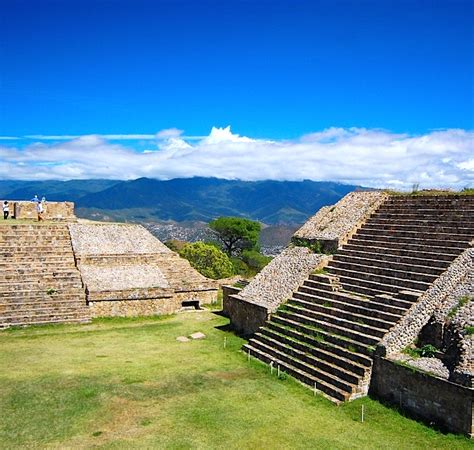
(52, 210)
(332, 226)
(431, 399)
(250, 308)
(168, 303)
(436, 297)
(245, 317)
(227, 291)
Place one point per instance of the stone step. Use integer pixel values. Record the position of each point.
(21, 320)
(328, 350)
(401, 214)
(351, 255)
(308, 326)
(416, 273)
(456, 228)
(42, 298)
(328, 390)
(33, 248)
(14, 258)
(47, 322)
(42, 310)
(345, 322)
(372, 280)
(30, 290)
(351, 330)
(434, 239)
(31, 277)
(47, 266)
(394, 306)
(450, 247)
(404, 235)
(338, 311)
(428, 222)
(454, 199)
(308, 294)
(409, 251)
(294, 349)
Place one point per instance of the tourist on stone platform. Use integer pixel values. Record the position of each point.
(35, 199)
(6, 210)
(40, 210)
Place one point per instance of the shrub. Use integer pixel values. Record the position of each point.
(208, 260)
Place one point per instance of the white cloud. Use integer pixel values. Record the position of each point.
(169, 133)
(370, 157)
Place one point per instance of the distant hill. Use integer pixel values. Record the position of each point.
(185, 199)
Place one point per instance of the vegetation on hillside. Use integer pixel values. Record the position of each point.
(236, 234)
(207, 260)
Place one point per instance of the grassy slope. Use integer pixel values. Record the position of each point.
(127, 383)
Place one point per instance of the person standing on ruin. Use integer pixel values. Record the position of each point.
(6, 210)
(40, 210)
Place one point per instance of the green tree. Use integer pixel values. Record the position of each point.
(236, 234)
(207, 260)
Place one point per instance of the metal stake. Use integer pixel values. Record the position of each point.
(278, 372)
(271, 368)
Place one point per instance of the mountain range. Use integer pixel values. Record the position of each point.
(185, 199)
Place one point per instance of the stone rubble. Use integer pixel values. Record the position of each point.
(277, 281)
(197, 335)
(338, 222)
(110, 239)
(433, 366)
(116, 277)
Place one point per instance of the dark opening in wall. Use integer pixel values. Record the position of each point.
(190, 304)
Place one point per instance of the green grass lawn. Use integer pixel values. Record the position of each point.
(122, 383)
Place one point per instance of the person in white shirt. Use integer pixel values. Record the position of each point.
(6, 210)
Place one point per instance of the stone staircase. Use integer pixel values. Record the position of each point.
(39, 280)
(326, 333)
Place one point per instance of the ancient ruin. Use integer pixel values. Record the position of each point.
(65, 270)
(397, 275)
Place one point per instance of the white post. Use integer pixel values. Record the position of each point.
(248, 356)
(362, 414)
(278, 372)
(271, 368)
(225, 341)
(315, 387)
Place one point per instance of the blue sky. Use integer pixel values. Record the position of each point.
(273, 70)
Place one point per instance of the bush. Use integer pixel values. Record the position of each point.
(208, 260)
(255, 260)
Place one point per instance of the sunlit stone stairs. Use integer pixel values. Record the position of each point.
(326, 333)
(39, 281)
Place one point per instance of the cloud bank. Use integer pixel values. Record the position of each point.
(368, 157)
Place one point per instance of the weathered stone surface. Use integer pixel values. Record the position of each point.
(339, 222)
(182, 339)
(277, 281)
(197, 335)
(113, 239)
(122, 277)
(407, 329)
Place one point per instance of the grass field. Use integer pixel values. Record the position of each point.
(127, 383)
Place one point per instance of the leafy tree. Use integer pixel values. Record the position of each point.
(236, 234)
(207, 260)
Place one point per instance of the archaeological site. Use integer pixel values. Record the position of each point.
(373, 296)
(65, 270)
